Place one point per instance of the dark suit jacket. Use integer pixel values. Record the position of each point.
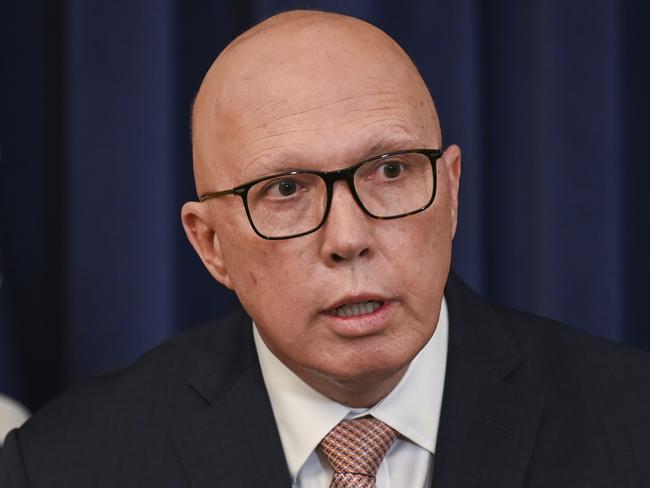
(527, 402)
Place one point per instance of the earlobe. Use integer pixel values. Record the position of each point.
(452, 160)
(201, 233)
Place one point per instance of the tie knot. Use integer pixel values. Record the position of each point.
(357, 447)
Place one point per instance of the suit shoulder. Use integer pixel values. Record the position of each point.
(553, 355)
(538, 338)
(549, 340)
(148, 392)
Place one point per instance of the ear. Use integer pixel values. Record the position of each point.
(451, 158)
(200, 230)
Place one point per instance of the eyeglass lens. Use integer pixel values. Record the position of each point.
(386, 187)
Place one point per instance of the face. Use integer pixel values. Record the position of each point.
(325, 114)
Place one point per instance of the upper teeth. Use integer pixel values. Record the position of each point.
(357, 308)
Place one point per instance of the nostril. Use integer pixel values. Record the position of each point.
(337, 258)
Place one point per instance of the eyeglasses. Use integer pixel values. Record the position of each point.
(297, 203)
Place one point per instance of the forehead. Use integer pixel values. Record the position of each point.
(343, 128)
(315, 103)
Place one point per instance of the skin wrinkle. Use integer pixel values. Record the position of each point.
(257, 157)
(334, 125)
(291, 110)
(285, 118)
(314, 129)
(274, 103)
(310, 109)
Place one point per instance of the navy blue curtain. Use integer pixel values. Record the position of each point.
(548, 100)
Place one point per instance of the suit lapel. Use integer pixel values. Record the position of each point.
(229, 436)
(488, 423)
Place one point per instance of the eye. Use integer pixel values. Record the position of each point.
(282, 188)
(286, 188)
(291, 188)
(391, 169)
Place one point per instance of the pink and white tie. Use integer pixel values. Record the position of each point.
(355, 449)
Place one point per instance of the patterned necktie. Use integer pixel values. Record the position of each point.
(355, 448)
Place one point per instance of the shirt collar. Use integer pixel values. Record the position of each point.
(304, 416)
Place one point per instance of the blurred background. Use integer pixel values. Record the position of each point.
(547, 98)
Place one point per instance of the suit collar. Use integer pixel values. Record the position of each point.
(480, 331)
(229, 419)
(226, 356)
(489, 421)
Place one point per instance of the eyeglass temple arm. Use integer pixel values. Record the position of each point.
(214, 194)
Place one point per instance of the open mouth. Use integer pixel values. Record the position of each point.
(354, 309)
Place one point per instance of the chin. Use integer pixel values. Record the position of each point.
(367, 367)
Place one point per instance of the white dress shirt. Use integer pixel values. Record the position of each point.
(304, 416)
(12, 415)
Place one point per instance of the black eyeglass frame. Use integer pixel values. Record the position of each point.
(331, 177)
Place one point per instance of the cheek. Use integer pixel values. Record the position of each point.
(420, 256)
(269, 277)
(243, 251)
(423, 239)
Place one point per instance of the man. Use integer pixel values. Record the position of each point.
(329, 206)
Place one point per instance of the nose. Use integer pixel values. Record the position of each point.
(347, 233)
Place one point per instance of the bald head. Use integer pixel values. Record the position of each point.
(297, 63)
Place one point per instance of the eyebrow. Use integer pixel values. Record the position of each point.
(290, 160)
(278, 163)
(389, 145)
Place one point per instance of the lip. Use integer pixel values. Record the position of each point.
(348, 299)
(359, 325)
